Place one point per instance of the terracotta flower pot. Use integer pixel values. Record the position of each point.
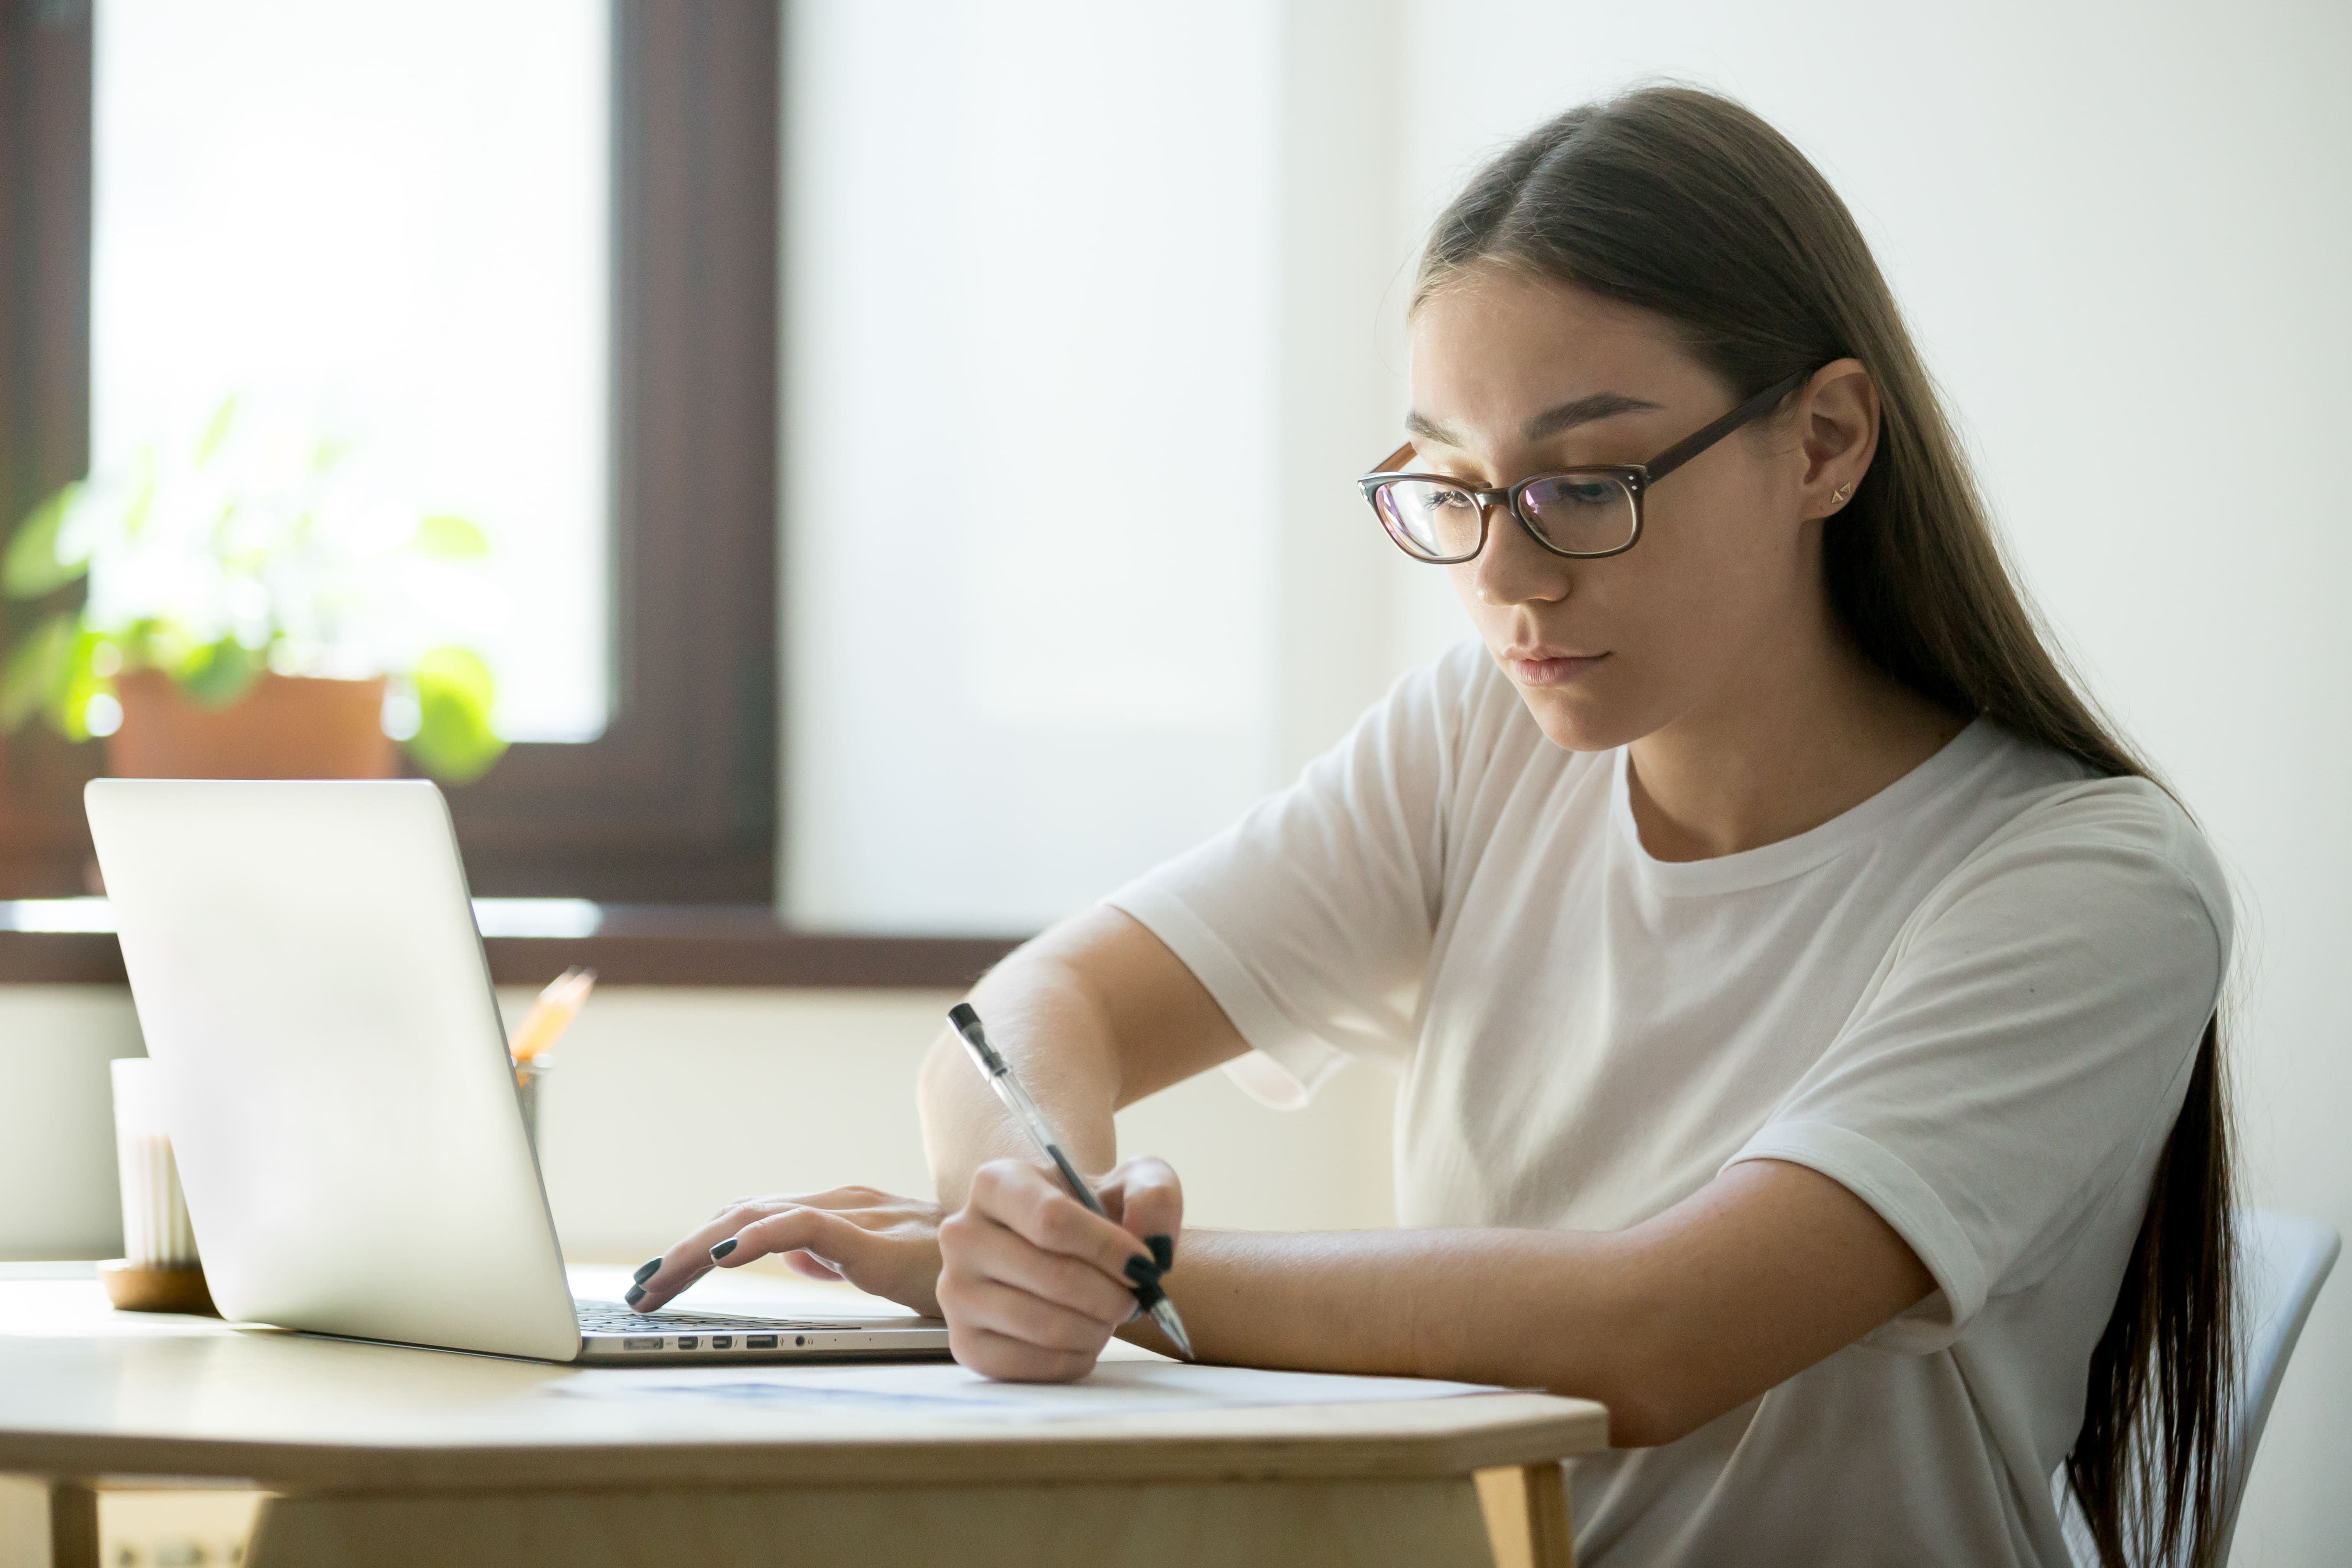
(286, 727)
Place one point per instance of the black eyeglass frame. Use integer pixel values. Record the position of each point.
(1637, 477)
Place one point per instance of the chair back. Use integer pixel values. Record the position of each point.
(2283, 1260)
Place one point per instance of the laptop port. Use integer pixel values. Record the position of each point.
(758, 1341)
(722, 1341)
(688, 1342)
(651, 1344)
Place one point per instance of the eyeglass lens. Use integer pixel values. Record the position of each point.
(1577, 514)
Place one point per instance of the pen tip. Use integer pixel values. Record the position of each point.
(963, 1018)
(1163, 1312)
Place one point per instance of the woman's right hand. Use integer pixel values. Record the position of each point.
(1033, 1283)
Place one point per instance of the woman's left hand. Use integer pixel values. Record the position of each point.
(885, 1244)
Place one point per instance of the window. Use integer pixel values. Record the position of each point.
(382, 223)
(648, 698)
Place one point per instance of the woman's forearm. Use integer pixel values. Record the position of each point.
(1768, 1269)
(1093, 1014)
(1525, 1309)
(1041, 1016)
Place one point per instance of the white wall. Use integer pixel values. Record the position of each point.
(57, 1191)
(2124, 234)
(1029, 483)
(1351, 611)
(667, 1103)
(1094, 299)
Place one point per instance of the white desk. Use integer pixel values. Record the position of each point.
(376, 1455)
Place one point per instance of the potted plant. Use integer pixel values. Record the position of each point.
(252, 611)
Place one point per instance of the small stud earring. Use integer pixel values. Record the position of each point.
(1842, 492)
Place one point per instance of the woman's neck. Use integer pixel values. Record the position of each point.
(1810, 733)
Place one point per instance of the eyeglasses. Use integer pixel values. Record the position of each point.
(1583, 513)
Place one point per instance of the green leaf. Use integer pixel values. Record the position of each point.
(31, 568)
(449, 537)
(69, 710)
(219, 673)
(459, 670)
(142, 502)
(151, 642)
(454, 741)
(40, 672)
(328, 450)
(217, 430)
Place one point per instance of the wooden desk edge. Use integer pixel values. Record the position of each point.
(1550, 1430)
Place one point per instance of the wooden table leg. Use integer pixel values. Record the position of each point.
(1526, 1508)
(1420, 1522)
(73, 1525)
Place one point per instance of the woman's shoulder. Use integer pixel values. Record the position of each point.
(2055, 798)
(2125, 834)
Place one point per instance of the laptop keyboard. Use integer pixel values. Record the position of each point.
(613, 1318)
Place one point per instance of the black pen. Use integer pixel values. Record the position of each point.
(1025, 1110)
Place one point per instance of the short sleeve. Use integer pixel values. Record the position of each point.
(1311, 921)
(2022, 1052)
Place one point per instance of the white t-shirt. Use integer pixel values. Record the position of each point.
(1974, 999)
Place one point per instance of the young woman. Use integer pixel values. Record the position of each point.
(1805, 1005)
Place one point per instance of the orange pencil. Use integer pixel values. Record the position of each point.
(552, 1013)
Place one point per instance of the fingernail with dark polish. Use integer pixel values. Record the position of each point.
(647, 1269)
(1163, 1251)
(1148, 1292)
(636, 1294)
(722, 1249)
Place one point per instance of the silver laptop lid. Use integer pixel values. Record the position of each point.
(313, 992)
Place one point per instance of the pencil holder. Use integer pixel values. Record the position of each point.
(159, 1270)
(527, 1077)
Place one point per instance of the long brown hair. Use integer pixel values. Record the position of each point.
(1684, 204)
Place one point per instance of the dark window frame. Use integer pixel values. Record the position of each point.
(676, 802)
(45, 213)
(672, 815)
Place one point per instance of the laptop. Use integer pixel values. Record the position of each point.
(315, 998)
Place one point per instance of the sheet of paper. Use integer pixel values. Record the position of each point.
(943, 1389)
